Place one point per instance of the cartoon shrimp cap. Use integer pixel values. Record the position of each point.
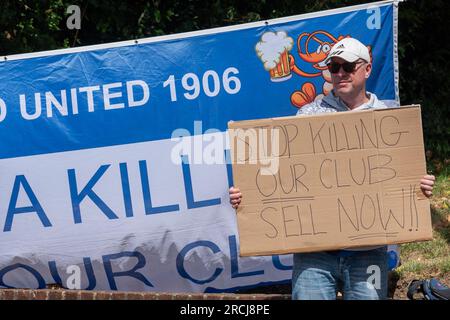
(350, 50)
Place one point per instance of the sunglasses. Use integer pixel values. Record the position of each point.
(348, 67)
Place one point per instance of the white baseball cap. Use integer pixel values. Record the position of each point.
(350, 50)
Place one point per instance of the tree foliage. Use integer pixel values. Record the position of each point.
(37, 25)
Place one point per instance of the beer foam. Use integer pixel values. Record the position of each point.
(271, 46)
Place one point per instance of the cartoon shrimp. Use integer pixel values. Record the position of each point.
(273, 50)
(316, 57)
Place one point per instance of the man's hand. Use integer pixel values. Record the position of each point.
(426, 184)
(235, 197)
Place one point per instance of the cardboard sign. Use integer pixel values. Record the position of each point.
(330, 181)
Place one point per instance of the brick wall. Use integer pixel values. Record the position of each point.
(63, 294)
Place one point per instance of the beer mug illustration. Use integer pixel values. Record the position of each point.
(273, 50)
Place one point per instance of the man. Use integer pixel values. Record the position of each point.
(319, 275)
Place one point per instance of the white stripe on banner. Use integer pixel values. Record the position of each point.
(125, 201)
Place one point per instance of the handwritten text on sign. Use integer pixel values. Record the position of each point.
(330, 181)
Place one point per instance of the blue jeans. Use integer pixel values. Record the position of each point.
(359, 275)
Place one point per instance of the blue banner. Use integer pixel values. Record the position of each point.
(143, 92)
(85, 147)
